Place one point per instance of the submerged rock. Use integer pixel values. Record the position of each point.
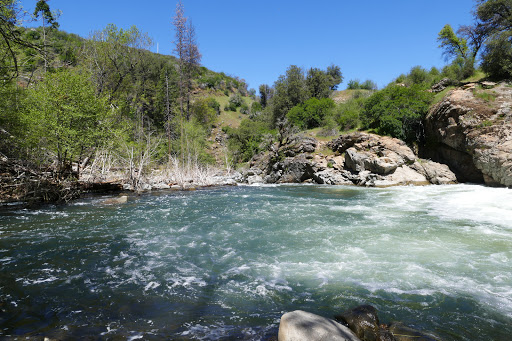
(123, 199)
(403, 333)
(303, 326)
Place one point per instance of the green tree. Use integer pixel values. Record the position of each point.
(311, 113)
(112, 55)
(204, 111)
(497, 56)
(65, 117)
(266, 93)
(457, 49)
(418, 75)
(335, 76)
(354, 84)
(348, 114)
(318, 83)
(369, 85)
(494, 26)
(289, 90)
(452, 45)
(397, 111)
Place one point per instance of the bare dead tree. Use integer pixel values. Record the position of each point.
(192, 61)
(180, 26)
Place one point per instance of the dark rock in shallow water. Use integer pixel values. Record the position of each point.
(404, 333)
(363, 321)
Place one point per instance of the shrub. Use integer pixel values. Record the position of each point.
(256, 108)
(204, 111)
(329, 127)
(193, 145)
(418, 75)
(348, 114)
(459, 69)
(353, 84)
(244, 109)
(245, 141)
(236, 100)
(369, 85)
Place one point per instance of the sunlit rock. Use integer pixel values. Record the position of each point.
(303, 326)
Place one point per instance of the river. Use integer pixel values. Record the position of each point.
(226, 263)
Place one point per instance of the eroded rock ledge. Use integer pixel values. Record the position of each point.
(470, 130)
(356, 159)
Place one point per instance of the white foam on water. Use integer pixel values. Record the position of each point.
(477, 204)
(151, 285)
(40, 280)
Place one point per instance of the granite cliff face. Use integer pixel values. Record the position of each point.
(470, 130)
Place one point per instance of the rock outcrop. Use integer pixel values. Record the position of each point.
(356, 159)
(470, 130)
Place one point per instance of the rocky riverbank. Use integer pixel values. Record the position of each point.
(468, 139)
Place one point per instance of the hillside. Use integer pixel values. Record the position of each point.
(107, 109)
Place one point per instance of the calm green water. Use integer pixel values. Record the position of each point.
(226, 263)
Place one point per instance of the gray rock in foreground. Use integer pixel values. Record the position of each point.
(303, 326)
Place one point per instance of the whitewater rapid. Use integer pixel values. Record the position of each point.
(227, 262)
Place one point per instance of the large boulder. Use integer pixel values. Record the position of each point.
(303, 326)
(435, 173)
(470, 130)
(331, 176)
(295, 170)
(384, 161)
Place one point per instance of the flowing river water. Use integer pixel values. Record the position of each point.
(226, 263)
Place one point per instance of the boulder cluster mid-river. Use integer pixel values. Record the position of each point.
(354, 159)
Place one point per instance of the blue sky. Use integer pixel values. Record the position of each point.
(258, 40)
